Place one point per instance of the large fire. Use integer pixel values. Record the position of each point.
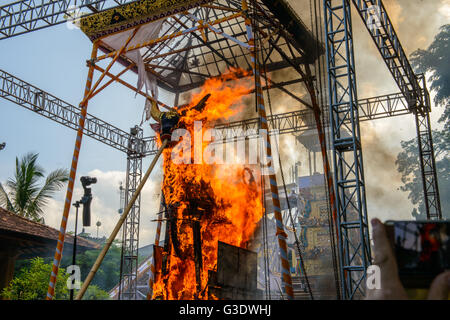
(224, 199)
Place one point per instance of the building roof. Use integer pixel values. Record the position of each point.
(24, 234)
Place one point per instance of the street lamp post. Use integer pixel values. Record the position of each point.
(74, 254)
(98, 224)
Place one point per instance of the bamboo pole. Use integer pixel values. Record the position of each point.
(126, 84)
(168, 37)
(70, 185)
(119, 224)
(116, 56)
(280, 233)
(112, 79)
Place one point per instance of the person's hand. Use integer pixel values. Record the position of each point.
(390, 285)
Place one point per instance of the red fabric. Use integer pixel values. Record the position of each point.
(156, 127)
(429, 242)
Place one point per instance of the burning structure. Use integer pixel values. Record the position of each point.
(205, 202)
(222, 57)
(170, 45)
(180, 46)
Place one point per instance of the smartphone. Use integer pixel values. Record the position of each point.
(421, 248)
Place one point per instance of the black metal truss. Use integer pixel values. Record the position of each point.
(130, 238)
(49, 106)
(301, 120)
(383, 34)
(180, 64)
(379, 25)
(352, 225)
(427, 159)
(183, 64)
(23, 16)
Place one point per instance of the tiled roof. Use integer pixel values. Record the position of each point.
(13, 223)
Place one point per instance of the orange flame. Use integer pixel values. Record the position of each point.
(223, 198)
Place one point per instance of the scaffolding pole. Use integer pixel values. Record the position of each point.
(73, 171)
(353, 232)
(281, 234)
(130, 238)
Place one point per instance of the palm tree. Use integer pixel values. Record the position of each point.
(23, 194)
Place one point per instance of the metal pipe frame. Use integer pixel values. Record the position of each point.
(47, 105)
(168, 37)
(286, 279)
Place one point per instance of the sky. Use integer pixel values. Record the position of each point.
(54, 59)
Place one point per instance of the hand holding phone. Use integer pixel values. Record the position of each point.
(422, 250)
(391, 287)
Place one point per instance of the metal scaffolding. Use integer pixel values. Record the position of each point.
(426, 156)
(53, 108)
(211, 38)
(25, 16)
(352, 224)
(130, 237)
(416, 93)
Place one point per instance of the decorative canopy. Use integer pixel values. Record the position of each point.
(132, 15)
(200, 39)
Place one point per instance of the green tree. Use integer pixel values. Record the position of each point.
(23, 195)
(93, 292)
(32, 283)
(108, 274)
(408, 164)
(436, 61)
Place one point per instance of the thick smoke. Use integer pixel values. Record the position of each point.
(416, 23)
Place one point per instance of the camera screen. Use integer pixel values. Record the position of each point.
(422, 248)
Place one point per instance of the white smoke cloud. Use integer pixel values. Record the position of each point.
(105, 205)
